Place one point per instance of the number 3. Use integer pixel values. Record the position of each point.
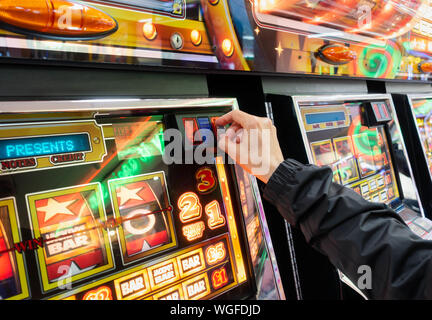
(206, 180)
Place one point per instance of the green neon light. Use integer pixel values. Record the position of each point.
(374, 63)
(134, 166)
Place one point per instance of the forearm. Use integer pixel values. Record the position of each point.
(352, 231)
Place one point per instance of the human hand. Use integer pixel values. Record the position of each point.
(252, 142)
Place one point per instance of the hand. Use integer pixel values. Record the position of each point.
(252, 142)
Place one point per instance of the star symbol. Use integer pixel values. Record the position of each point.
(71, 271)
(279, 49)
(54, 208)
(126, 194)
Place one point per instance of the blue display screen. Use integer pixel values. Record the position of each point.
(40, 146)
(322, 117)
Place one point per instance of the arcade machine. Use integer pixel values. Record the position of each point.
(414, 112)
(359, 137)
(224, 39)
(100, 202)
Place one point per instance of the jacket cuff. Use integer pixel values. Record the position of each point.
(281, 180)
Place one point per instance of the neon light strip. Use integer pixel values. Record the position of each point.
(241, 272)
(105, 50)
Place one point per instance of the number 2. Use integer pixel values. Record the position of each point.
(190, 207)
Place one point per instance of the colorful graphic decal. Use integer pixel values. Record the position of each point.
(142, 204)
(75, 247)
(374, 39)
(13, 280)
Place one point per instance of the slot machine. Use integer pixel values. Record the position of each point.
(359, 138)
(96, 203)
(414, 114)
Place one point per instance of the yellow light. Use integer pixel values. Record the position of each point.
(193, 231)
(196, 37)
(149, 30)
(227, 47)
(213, 2)
(232, 227)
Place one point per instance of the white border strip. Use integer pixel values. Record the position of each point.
(74, 47)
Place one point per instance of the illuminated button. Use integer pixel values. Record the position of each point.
(372, 184)
(176, 41)
(196, 37)
(336, 54)
(219, 278)
(190, 126)
(227, 47)
(215, 253)
(191, 262)
(204, 123)
(364, 188)
(132, 286)
(163, 273)
(101, 293)
(425, 66)
(149, 30)
(213, 2)
(173, 293)
(61, 18)
(194, 231)
(197, 287)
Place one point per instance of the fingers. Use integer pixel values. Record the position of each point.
(236, 116)
(231, 132)
(229, 146)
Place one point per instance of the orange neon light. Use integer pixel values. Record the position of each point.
(132, 285)
(173, 293)
(215, 253)
(190, 207)
(227, 47)
(57, 17)
(196, 37)
(213, 211)
(241, 270)
(194, 231)
(191, 262)
(206, 180)
(149, 31)
(197, 287)
(163, 273)
(102, 293)
(219, 278)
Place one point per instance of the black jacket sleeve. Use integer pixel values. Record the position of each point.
(353, 232)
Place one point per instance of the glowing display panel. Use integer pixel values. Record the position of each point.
(126, 225)
(422, 109)
(358, 155)
(38, 146)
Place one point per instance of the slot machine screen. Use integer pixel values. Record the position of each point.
(99, 213)
(359, 155)
(422, 109)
